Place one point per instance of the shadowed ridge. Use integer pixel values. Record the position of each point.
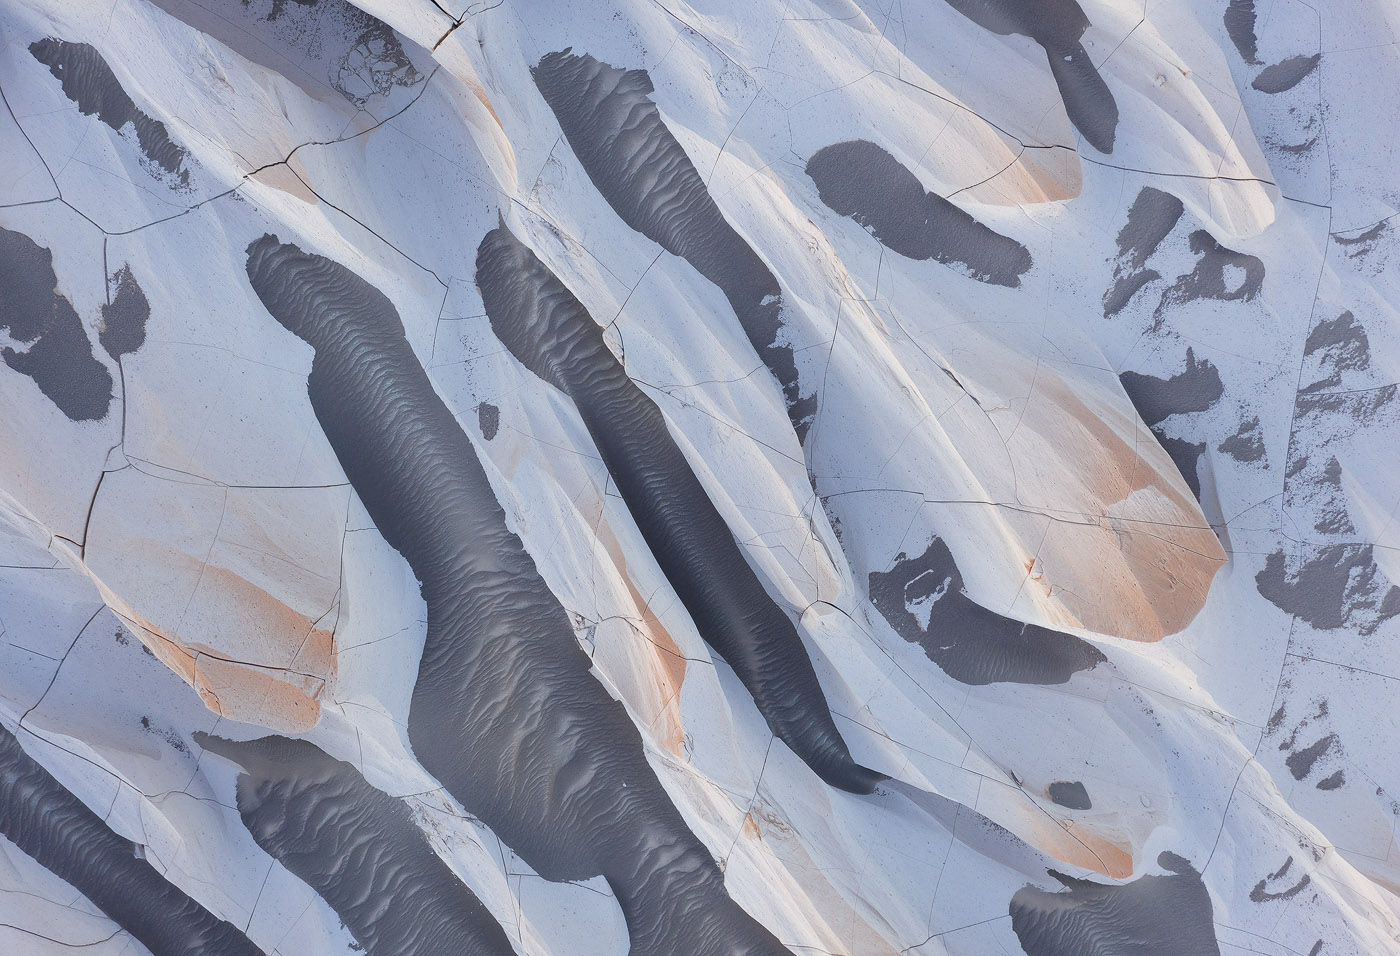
(505, 712)
(358, 848)
(41, 817)
(550, 332)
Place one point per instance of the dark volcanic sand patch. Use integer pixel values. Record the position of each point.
(1300, 762)
(1220, 273)
(1340, 345)
(1071, 795)
(1239, 24)
(64, 836)
(1332, 781)
(1194, 389)
(1286, 74)
(619, 137)
(59, 358)
(923, 600)
(551, 333)
(488, 419)
(1169, 915)
(505, 712)
(863, 181)
(358, 848)
(1152, 217)
(124, 318)
(1246, 444)
(1058, 26)
(1336, 586)
(88, 81)
(1186, 455)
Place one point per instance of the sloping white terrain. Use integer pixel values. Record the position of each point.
(786, 476)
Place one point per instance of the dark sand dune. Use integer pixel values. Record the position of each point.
(1287, 73)
(552, 334)
(359, 849)
(1239, 23)
(1168, 915)
(505, 712)
(124, 318)
(88, 81)
(618, 135)
(59, 358)
(970, 643)
(1057, 25)
(1195, 389)
(40, 816)
(863, 181)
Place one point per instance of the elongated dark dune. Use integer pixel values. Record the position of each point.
(88, 81)
(618, 135)
(41, 817)
(359, 849)
(862, 180)
(505, 712)
(1057, 25)
(552, 335)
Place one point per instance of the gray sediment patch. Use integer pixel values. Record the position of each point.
(551, 333)
(1286, 74)
(1246, 444)
(624, 146)
(923, 600)
(1164, 915)
(1300, 762)
(1336, 586)
(863, 181)
(1239, 24)
(41, 817)
(88, 81)
(59, 358)
(358, 848)
(1071, 795)
(124, 318)
(1209, 279)
(1194, 389)
(1058, 26)
(1341, 345)
(488, 419)
(1151, 218)
(505, 712)
(1332, 781)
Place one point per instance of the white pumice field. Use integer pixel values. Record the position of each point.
(699, 477)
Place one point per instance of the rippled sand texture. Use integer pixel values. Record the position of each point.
(620, 138)
(505, 712)
(1166, 915)
(358, 848)
(1057, 25)
(40, 816)
(552, 334)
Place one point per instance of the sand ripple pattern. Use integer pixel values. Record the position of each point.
(618, 135)
(359, 848)
(40, 816)
(505, 712)
(552, 334)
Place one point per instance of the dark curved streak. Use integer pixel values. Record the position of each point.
(1058, 26)
(357, 847)
(618, 135)
(41, 817)
(505, 712)
(552, 335)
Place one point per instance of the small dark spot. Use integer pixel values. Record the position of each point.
(1246, 444)
(1071, 795)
